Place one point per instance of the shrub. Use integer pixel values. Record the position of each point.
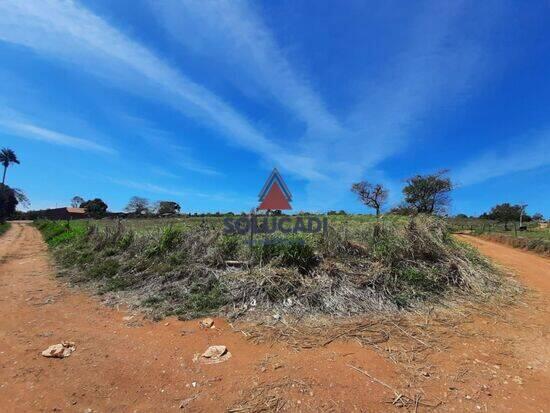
(291, 252)
(4, 227)
(229, 246)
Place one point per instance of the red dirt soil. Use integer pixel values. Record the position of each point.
(489, 364)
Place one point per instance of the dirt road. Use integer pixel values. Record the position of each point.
(124, 363)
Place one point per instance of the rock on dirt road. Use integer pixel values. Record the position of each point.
(489, 364)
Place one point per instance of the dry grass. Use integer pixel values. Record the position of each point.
(271, 396)
(364, 269)
(405, 337)
(540, 246)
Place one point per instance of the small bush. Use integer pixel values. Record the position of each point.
(4, 226)
(230, 246)
(168, 239)
(203, 299)
(289, 252)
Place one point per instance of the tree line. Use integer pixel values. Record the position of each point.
(137, 206)
(430, 194)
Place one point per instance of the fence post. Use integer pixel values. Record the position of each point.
(515, 230)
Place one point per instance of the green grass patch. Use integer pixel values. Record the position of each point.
(4, 227)
(60, 232)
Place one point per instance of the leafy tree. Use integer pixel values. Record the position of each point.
(21, 197)
(332, 212)
(538, 217)
(168, 207)
(138, 205)
(8, 202)
(374, 196)
(428, 193)
(7, 157)
(96, 208)
(505, 213)
(76, 201)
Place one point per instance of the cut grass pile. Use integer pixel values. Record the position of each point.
(4, 226)
(194, 270)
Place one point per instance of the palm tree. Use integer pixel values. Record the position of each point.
(7, 157)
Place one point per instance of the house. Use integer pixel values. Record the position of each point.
(65, 213)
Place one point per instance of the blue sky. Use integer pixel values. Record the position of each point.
(196, 101)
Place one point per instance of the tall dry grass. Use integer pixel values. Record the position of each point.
(199, 270)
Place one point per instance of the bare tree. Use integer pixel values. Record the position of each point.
(76, 201)
(138, 205)
(374, 196)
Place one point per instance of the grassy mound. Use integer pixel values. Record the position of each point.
(194, 271)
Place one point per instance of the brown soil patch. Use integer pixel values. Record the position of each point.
(495, 361)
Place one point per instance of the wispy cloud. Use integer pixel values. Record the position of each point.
(163, 172)
(437, 67)
(179, 194)
(148, 187)
(17, 125)
(232, 33)
(68, 31)
(179, 154)
(529, 152)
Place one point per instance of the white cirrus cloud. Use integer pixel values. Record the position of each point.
(530, 152)
(68, 31)
(16, 124)
(232, 33)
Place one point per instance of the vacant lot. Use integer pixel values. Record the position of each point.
(191, 268)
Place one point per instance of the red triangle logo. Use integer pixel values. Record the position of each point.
(275, 199)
